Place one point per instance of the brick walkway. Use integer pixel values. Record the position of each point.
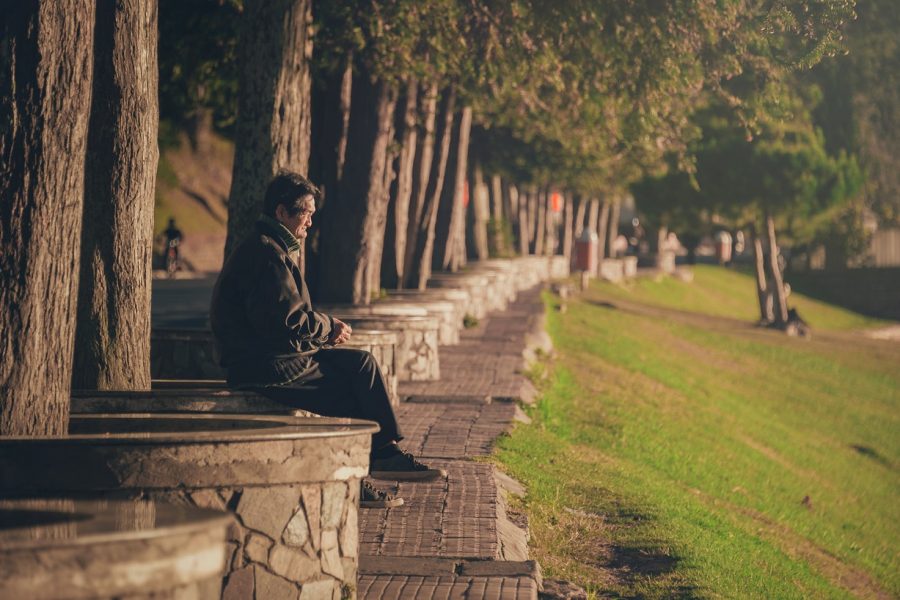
(451, 538)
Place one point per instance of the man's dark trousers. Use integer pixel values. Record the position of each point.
(345, 383)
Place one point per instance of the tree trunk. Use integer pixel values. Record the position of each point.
(780, 300)
(401, 191)
(112, 340)
(352, 220)
(45, 96)
(498, 242)
(580, 210)
(331, 119)
(568, 237)
(479, 214)
(594, 214)
(450, 226)
(762, 291)
(379, 223)
(418, 268)
(602, 229)
(614, 209)
(521, 232)
(273, 123)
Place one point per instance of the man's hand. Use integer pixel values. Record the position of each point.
(340, 334)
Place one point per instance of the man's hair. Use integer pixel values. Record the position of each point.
(288, 189)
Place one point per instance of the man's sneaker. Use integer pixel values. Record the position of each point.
(403, 466)
(371, 497)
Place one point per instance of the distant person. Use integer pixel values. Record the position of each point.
(272, 341)
(173, 241)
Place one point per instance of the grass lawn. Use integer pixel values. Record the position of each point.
(679, 451)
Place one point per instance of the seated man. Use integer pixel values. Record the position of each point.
(272, 341)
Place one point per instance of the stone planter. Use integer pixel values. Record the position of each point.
(189, 354)
(417, 340)
(188, 397)
(443, 311)
(559, 266)
(629, 266)
(475, 284)
(293, 484)
(62, 549)
(460, 298)
(612, 269)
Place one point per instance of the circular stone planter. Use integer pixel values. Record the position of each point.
(63, 549)
(460, 298)
(293, 484)
(417, 344)
(443, 311)
(476, 284)
(189, 355)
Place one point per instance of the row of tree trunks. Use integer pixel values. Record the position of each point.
(395, 240)
(45, 101)
(112, 341)
(449, 246)
(274, 116)
(351, 230)
(427, 192)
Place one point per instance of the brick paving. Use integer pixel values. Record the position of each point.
(448, 423)
(446, 587)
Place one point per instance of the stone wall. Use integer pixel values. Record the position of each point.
(292, 484)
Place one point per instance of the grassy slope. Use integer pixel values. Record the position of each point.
(676, 454)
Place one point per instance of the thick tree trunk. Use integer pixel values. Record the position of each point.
(594, 214)
(568, 228)
(45, 96)
(449, 247)
(378, 227)
(580, 213)
(780, 300)
(401, 191)
(762, 291)
(331, 110)
(614, 209)
(352, 220)
(273, 123)
(420, 247)
(112, 341)
(480, 214)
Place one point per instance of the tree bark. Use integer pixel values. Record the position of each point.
(352, 220)
(580, 211)
(594, 213)
(614, 209)
(780, 300)
(602, 229)
(331, 110)
(401, 191)
(521, 202)
(480, 213)
(450, 230)
(45, 95)
(273, 123)
(762, 292)
(112, 340)
(568, 237)
(420, 253)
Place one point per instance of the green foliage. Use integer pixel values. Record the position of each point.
(198, 60)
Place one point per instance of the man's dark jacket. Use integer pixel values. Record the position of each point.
(261, 314)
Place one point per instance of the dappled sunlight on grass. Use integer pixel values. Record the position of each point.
(751, 464)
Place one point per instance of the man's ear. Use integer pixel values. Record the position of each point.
(280, 213)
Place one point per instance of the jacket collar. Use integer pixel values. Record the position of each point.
(282, 234)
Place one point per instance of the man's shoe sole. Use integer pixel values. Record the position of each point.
(429, 475)
(392, 503)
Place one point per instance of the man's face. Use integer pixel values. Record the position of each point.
(299, 223)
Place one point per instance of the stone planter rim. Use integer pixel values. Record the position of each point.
(177, 520)
(290, 428)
